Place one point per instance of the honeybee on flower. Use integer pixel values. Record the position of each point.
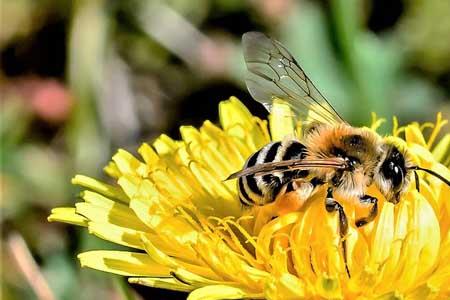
(333, 153)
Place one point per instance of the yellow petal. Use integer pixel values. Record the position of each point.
(437, 128)
(101, 209)
(287, 286)
(281, 121)
(156, 254)
(112, 170)
(232, 112)
(116, 234)
(383, 237)
(423, 291)
(149, 206)
(162, 283)
(441, 150)
(413, 135)
(391, 296)
(237, 121)
(148, 154)
(128, 164)
(179, 266)
(100, 187)
(129, 184)
(231, 150)
(122, 263)
(67, 215)
(218, 292)
(422, 242)
(376, 122)
(164, 145)
(391, 267)
(194, 279)
(428, 234)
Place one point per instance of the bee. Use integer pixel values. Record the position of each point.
(331, 152)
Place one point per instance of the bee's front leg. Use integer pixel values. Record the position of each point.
(332, 205)
(368, 200)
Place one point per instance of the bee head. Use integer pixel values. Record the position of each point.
(393, 173)
(394, 170)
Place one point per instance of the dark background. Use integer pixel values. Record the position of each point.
(79, 79)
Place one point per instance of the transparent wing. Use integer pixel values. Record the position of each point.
(289, 165)
(273, 73)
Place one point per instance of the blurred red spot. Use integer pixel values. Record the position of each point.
(47, 99)
(51, 101)
(276, 10)
(215, 55)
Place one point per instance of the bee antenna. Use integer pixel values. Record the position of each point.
(446, 181)
(416, 177)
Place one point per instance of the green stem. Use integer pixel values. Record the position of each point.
(123, 288)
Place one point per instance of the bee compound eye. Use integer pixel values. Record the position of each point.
(394, 173)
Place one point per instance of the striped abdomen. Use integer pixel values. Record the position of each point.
(260, 190)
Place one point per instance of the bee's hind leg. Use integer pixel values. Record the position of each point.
(368, 200)
(332, 205)
(293, 196)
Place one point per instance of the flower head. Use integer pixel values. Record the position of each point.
(191, 233)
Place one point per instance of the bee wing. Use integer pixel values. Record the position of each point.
(273, 73)
(289, 165)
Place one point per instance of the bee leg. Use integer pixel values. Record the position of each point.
(293, 196)
(366, 199)
(332, 205)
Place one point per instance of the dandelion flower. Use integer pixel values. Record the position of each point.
(187, 231)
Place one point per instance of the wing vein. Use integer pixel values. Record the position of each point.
(274, 73)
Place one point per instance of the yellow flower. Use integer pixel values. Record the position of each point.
(190, 232)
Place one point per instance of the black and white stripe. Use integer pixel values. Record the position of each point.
(260, 190)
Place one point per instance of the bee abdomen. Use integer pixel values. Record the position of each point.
(250, 192)
(260, 190)
(248, 189)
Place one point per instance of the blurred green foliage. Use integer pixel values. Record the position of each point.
(82, 78)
